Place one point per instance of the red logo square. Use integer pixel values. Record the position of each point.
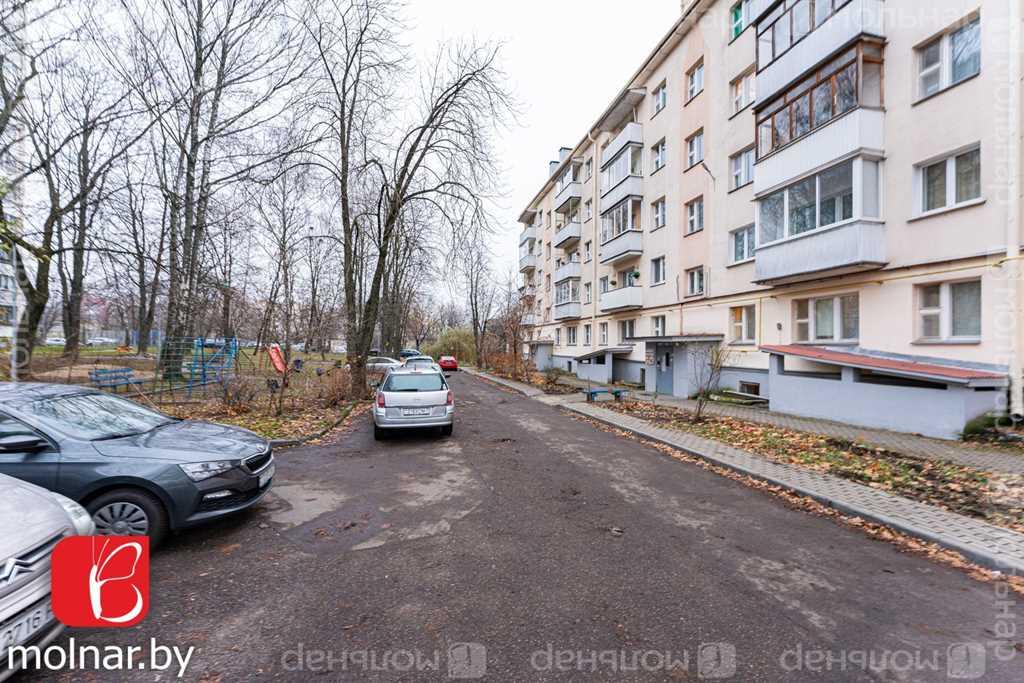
(100, 581)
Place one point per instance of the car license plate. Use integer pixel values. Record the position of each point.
(25, 625)
(415, 411)
(266, 476)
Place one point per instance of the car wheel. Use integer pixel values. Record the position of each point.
(129, 512)
(447, 430)
(378, 433)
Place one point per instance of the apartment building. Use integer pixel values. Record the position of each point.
(827, 190)
(11, 210)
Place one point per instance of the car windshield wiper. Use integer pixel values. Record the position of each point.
(117, 435)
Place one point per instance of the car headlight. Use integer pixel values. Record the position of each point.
(197, 471)
(80, 517)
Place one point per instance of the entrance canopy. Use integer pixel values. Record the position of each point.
(614, 350)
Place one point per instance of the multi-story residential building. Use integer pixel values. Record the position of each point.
(828, 189)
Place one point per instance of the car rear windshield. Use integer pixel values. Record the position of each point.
(431, 382)
(94, 416)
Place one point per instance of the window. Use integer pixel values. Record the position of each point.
(658, 270)
(658, 326)
(743, 244)
(547, 250)
(5, 253)
(627, 277)
(660, 214)
(827, 319)
(586, 334)
(695, 148)
(547, 283)
(602, 330)
(742, 166)
(826, 94)
(743, 89)
(6, 315)
(695, 215)
(790, 22)
(567, 292)
(816, 202)
(623, 217)
(588, 210)
(739, 18)
(627, 329)
(558, 336)
(570, 336)
(695, 81)
(603, 284)
(588, 293)
(588, 251)
(628, 162)
(949, 311)
(951, 181)
(743, 328)
(588, 168)
(660, 96)
(949, 59)
(6, 283)
(695, 281)
(658, 156)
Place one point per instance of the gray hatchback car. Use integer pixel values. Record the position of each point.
(413, 398)
(136, 470)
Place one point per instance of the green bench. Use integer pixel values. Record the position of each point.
(592, 394)
(112, 378)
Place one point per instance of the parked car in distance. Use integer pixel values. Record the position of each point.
(55, 341)
(381, 363)
(448, 363)
(137, 471)
(410, 398)
(421, 362)
(101, 341)
(32, 522)
(408, 353)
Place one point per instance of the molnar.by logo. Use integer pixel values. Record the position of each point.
(101, 581)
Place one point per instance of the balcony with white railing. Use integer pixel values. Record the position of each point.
(625, 245)
(570, 310)
(527, 263)
(530, 232)
(568, 235)
(567, 192)
(567, 271)
(632, 134)
(793, 41)
(630, 186)
(531, 320)
(623, 298)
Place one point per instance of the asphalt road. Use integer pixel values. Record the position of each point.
(556, 551)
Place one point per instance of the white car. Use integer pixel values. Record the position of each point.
(32, 522)
(55, 341)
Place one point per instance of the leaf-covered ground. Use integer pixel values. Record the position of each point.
(996, 498)
(295, 423)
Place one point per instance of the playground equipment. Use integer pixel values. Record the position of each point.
(214, 364)
(277, 358)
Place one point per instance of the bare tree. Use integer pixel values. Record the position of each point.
(481, 296)
(706, 361)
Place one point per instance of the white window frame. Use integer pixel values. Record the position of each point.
(558, 336)
(586, 335)
(695, 148)
(695, 285)
(837, 320)
(742, 90)
(588, 251)
(660, 97)
(695, 80)
(738, 26)
(588, 293)
(659, 155)
(741, 167)
(658, 270)
(920, 171)
(659, 211)
(602, 331)
(944, 67)
(738, 328)
(748, 233)
(571, 336)
(658, 326)
(627, 329)
(944, 313)
(695, 215)
(588, 210)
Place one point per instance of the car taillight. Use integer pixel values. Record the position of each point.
(380, 400)
(451, 399)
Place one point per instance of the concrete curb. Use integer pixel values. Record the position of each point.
(524, 389)
(1002, 563)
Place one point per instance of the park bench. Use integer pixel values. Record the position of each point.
(592, 394)
(105, 378)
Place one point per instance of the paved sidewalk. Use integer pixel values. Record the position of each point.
(979, 457)
(521, 387)
(984, 543)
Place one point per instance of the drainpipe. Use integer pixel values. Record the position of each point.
(595, 245)
(1014, 218)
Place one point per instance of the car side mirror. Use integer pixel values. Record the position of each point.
(21, 443)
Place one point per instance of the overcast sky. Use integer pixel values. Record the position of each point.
(547, 43)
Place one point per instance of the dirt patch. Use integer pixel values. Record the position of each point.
(995, 498)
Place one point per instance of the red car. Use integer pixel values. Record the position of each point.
(448, 363)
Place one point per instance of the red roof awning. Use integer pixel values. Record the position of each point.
(947, 373)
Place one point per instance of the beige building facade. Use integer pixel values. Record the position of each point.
(829, 189)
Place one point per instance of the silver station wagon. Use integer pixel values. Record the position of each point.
(413, 398)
